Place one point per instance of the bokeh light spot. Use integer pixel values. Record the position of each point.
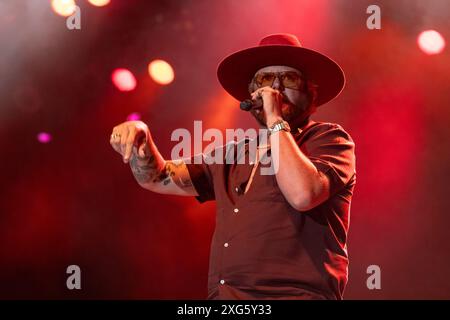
(123, 79)
(64, 8)
(431, 42)
(99, 3)
(161, 72)
(134, 116)
(44, 137)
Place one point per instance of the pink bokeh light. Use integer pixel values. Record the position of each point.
(44, 137)
(134, 116)
(123, 79)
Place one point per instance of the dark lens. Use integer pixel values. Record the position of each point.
(291, 80)
(265, 79)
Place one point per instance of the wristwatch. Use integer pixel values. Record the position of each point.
(279, 125)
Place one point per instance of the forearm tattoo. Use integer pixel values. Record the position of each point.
(176, 172)
(144, 172)
(173, 171)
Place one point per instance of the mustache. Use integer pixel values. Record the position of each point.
(284, 99)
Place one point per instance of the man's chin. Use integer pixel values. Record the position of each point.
(259, 118)
(289, 112)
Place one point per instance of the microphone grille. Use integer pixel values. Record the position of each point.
(246, 105)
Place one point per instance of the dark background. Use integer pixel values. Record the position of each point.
(73, 201)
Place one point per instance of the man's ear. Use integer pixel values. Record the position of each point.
(312, 94)
(251, 87)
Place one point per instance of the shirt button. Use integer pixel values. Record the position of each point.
(226, 244)
(222, 281)
(236, 189)
(236, 210)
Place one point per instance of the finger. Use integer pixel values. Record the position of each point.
(129, 144)
(142, 150)
(111, 136)
(123, 140)
(115, 145)
(259, 92)
(256, 94)
(115, 141)
(111, 140)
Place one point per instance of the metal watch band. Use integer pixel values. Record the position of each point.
(280, 125)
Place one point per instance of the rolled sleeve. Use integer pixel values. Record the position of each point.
(332, 151)
(202, 178)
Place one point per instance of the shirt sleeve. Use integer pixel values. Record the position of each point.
(202, 178)
(332, 151)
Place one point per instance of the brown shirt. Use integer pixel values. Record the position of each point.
(264, 248)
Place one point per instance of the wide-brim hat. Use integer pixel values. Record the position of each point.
(237, 70)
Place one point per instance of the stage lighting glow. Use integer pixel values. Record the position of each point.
(99, 3)
(161, 72)
(431, 42)
(44, 137)
(123, 79)
(64, 8)
(134, 116)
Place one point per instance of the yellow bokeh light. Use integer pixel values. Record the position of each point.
(64, 8)
(161, 72)
(99, 3)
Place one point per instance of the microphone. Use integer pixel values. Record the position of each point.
(249, 104)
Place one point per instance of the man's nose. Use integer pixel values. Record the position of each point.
(277, 84)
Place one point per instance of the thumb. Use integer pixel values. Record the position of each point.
(142, 150)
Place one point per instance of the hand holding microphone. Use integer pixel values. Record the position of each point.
(266, 97)
(269, 100)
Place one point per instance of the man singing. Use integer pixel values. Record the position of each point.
(280, 235)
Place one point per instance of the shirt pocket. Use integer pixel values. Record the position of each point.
(265, 188)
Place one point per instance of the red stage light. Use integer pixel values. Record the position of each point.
(161, 72)
(123, 79)
(99, 3)
(431, 42)
(64, 7)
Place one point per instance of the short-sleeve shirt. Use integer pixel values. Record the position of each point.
(262, 247)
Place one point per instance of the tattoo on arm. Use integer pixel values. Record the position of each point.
(176, 172)
(144, 172)
(173, 171)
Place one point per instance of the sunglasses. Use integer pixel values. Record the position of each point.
(289, 79)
